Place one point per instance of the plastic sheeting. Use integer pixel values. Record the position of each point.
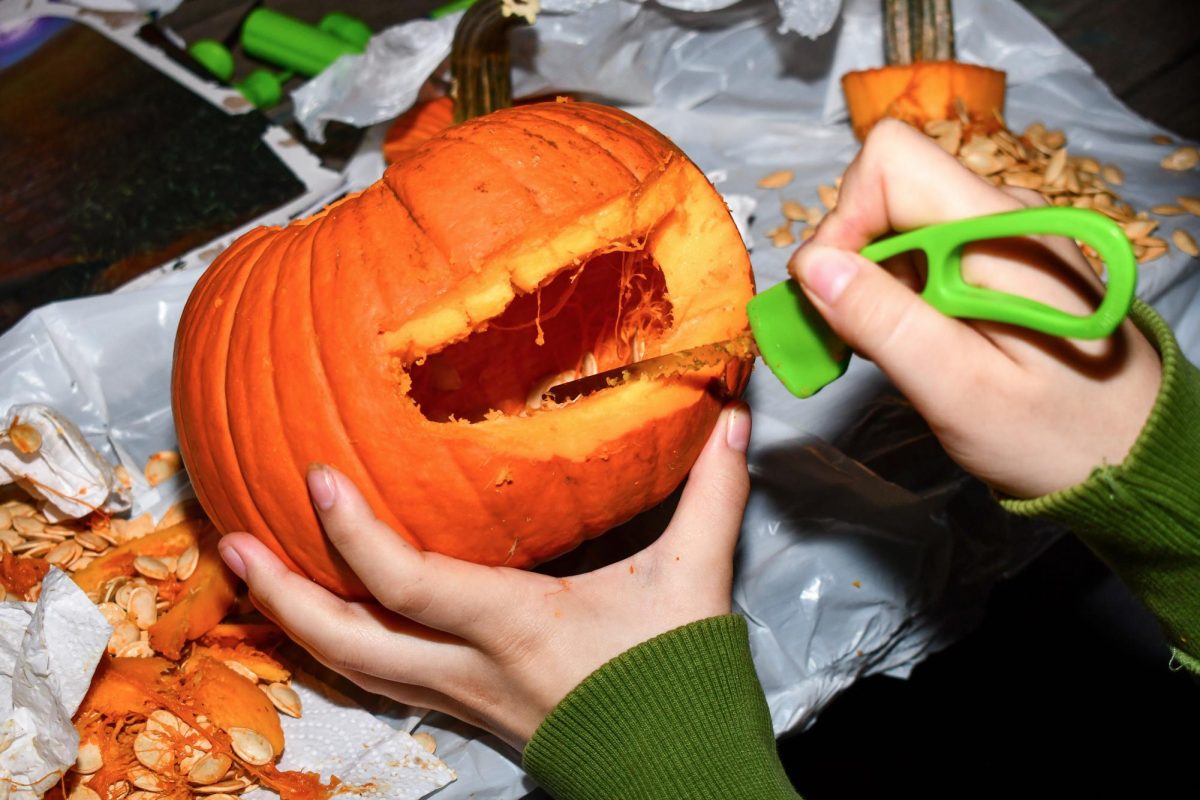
(864, 549)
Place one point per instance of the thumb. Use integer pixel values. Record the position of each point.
(705, 527)
(884, 320)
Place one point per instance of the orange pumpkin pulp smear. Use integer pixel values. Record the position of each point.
(397, 334)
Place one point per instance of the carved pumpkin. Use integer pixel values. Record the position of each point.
(403, 336)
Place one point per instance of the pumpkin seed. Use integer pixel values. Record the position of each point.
(1168, 210)
(28, 525)
(83, 792)
(210, 768)
(1162, 139)
(235, 784)
(138, 649)
(251, 746)
(143, 610)
(777, 179)
(1113, 174)
(6, 519)
(112, 612)
(153, 750)
(124, 634)
(221, 796)
(1056, 167)
(34, 549)
(1139, 229)
(242, 669)
(1024, 180)
(1189, 204)
(427, 742)
(284, 698)
(1184, 241)
(162, 465)
(143, 795)
(187, 562)
(794, 212)
(64, 554)
(982, 163)
(25, 438)
(1054, 139)
(11, 538)
(90, 541)
(151, 567)
(88, 759)
(828, 196)
(1182, 160)
(143, 778)
(782, 236)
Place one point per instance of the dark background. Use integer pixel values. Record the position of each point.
(1064, 689)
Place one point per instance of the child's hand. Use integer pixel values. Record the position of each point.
(494, 646)
(1027, 413)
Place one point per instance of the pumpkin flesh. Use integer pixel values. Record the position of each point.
(397, 335)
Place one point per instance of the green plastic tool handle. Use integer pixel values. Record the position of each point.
(946, 290)
(806, 355)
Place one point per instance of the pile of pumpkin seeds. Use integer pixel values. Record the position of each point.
(1037, 159)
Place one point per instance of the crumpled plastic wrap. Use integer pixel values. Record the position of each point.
(65, 472)
(369, 88)
(864, 548)
(48, 652)
(378, 85)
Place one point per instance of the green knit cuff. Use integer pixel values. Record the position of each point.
(1142, 517)
(679, 716)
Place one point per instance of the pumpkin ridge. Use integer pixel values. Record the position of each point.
(252, 401)
(604, 117)
(551, 120)
(230, 280)
(217, 281)
(374, 489)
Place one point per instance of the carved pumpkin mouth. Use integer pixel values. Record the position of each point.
(585, 319)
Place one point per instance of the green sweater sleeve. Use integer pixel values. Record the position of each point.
(683, 715)
(1142, 517)
(680, 716)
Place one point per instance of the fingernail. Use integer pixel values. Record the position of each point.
(320, 487)
(737, 428)
(232, 559)
(827, 273)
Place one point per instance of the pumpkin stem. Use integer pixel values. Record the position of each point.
(480, 59)
(918, 30)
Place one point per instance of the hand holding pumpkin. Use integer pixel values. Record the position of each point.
(1026, 413)
(495, 646)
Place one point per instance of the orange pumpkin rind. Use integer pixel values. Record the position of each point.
(923, 91)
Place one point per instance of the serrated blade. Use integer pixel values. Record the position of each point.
(680, 362)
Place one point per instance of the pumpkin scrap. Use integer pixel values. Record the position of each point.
(418, 318)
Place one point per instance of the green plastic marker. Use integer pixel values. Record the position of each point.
(804, 353)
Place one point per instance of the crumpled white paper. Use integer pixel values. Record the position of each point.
(335, 736)
(377, 85)
(66, 473)
(48, 652)
(382, 83)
